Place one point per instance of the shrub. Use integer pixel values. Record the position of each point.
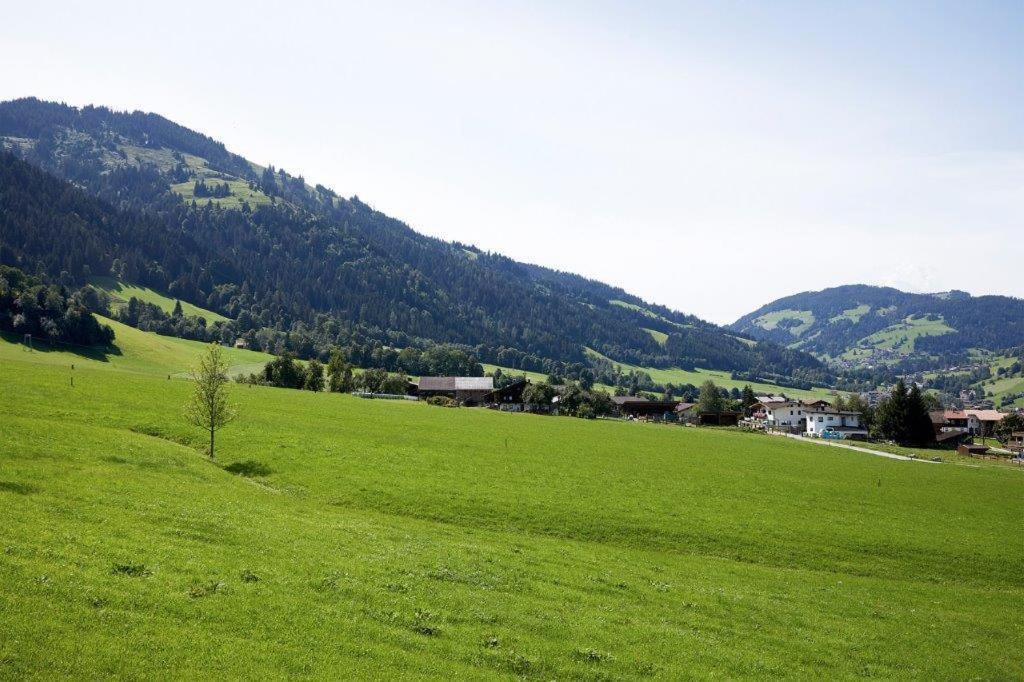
(442, 401)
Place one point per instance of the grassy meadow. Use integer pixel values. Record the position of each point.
(120, 293)
(337, 537)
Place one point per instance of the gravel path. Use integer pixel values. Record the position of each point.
(856, 448)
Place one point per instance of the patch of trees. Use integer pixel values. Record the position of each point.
(28, 305)
(216, 190)
(903, 417)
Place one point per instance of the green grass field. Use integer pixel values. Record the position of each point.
(121, 292)
(660, 337)
(389, 539)
(135, 351)
(770, 321)
(853, 314)
(901, 337)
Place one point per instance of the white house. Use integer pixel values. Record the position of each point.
(788, 414)
(821, 420)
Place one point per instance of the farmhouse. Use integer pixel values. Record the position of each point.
(826, 421)
(510, 397)
(1016, 442)
(632, 407)
(789, 415)
(982, 422)
(466, 390)
(972, 422)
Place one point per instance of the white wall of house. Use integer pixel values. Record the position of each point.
(819, 421)
(789, 415)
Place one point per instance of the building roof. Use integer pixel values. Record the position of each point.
(456, 383)
(829, 410)
(986, 415)
(683, 407)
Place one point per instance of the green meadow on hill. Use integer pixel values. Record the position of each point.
(338, 537)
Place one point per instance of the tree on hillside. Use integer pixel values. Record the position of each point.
(710, 399)
(178, 312)
(314, 376)
(208, 406)
(919, 424)
(284, 372)
(748, 399)
(339, 373)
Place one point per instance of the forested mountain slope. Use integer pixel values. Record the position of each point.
(161, 206)
(861, 324)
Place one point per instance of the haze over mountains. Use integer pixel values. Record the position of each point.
(159, 205)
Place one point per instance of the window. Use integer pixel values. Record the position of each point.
(821, 419)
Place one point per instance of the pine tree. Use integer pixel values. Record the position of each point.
(919, 430)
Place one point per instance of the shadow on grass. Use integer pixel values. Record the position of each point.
(98, 353)
(17, 488)
(249, 468)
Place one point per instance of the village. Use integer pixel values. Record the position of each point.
(968, 431)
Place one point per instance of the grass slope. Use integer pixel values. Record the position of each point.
(389, 539)
(134, 351)
(770, 321)
(120, 292)
(721, 378)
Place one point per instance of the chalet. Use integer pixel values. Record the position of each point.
(509, 397)
(632, 407)
(983, 422)
(789, 415)
(687, 413)
(466, 390)
(1016, 442)
(824, 422)
(972, 422)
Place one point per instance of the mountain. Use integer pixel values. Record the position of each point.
(860, 325)
(90, 192)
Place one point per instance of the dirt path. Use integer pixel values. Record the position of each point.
(856, 448)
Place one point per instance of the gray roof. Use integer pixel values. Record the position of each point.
(456, 383)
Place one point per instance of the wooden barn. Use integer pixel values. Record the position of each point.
(466, 390)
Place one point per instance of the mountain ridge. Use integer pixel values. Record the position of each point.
(860, 324)
(260, 246)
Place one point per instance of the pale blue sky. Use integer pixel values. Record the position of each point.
(707, 156)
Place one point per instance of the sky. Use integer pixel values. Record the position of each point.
(707, 156)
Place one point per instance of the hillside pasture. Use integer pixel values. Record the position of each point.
(133, 351)
(796, 321)
(391, 539)
(120, 293)
(901, 337)
(721, 378)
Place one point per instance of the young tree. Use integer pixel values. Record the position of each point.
(208, 407)
(710, 399)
